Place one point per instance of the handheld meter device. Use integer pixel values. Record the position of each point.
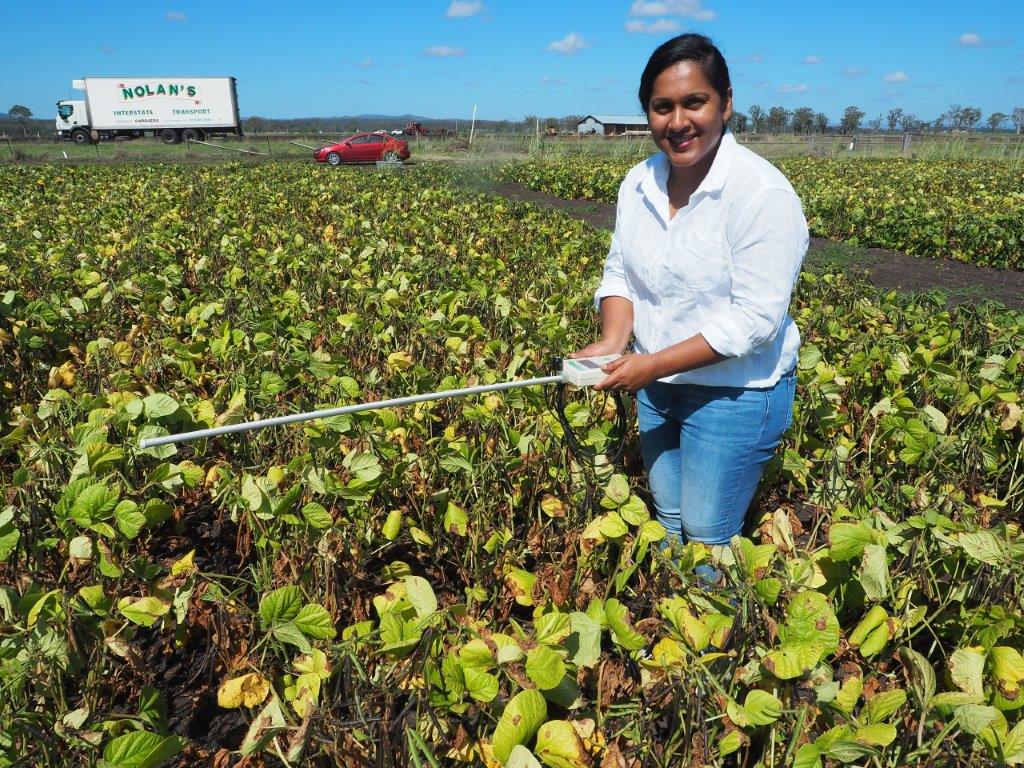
(585, 371)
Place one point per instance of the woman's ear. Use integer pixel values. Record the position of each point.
(727, 107)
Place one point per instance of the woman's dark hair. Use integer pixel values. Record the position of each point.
(686, 47)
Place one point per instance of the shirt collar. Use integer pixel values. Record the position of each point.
(654, 184)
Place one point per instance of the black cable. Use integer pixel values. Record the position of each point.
(616, 442)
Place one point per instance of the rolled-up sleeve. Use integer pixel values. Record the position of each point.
(768, 248)
(613, 283)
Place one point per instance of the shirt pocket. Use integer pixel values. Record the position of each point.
(695, 264)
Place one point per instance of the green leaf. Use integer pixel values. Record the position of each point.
(974, 718)
(559, 746)
(634, 511)
(159, 405)
(317, 516)
(874, 572)
(476, 654)
(967, 668)
(544, 667)
(481, 685)
(847, 751)
(150, 431)
(392, 525)
(129, 518)
(287, 632)
(455, 520)
(521, 757)
(808, 756)
(920, 674)
(314, 621)
(761, 707)
(876, 734)
(617, 491)
(523, 715)
(144, 611)
(551, 628)
(729, 743)
(282, 604)
(618, 622)
(810, 632)
(882, 705)
(983, 546)
(584, 640)
(94, 504)
(420, 595)
(847, 540)
(141, 749)
(9, 537)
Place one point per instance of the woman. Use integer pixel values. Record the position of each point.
(709, 239)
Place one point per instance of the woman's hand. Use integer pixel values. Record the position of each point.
(629, 372)
(597, 349)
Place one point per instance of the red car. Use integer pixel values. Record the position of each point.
(363, 148)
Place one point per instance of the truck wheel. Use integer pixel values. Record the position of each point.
(190, 134)
(81, 137)
(334, 158)
(169, 136)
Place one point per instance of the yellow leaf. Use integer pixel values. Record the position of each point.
(184, 566)
(246, 691)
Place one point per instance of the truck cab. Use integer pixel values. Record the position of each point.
(72, 121)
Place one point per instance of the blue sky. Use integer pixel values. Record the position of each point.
(516, 57)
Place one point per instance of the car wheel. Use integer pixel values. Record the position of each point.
(81, 137)
(392, 157)
(190, 134)
(334, 158)
(169, 136)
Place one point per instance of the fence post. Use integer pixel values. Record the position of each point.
(906, 143)
(269, 152)
(9, 146)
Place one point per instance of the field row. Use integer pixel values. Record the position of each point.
(446, 583)
(970, 211)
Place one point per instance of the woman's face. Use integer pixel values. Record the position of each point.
(686, 114)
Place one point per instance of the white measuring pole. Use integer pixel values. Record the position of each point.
(472, 125)
(357, 408)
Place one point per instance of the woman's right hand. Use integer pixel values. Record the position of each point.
(597, 349)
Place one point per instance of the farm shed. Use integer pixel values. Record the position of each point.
(613, 125)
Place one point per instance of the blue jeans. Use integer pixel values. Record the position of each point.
(705, 449)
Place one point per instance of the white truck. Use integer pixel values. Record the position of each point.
(173, 108)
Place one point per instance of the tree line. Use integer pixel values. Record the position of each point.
(756, 119)
(806, 120)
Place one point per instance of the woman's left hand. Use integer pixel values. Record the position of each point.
(629, 372)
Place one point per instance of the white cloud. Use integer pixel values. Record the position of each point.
(969, 39)
(895, 77)
(365, 63)
(549, 80)
(787, 88)
(854, 71)
(107, 48)
(754, 58)
(571, 43)
(813, 59)
(463, 9)
(761, 84)
(659, 27)
(691, 8)
(175, 16)
(445, 50)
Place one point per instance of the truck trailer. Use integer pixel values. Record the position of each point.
(172, 108)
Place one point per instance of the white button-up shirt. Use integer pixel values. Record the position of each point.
(723, 267)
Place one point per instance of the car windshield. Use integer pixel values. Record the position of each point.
(65, 110)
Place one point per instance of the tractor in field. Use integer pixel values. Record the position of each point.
(415, 129)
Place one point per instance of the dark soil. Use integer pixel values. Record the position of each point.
(888, 270)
